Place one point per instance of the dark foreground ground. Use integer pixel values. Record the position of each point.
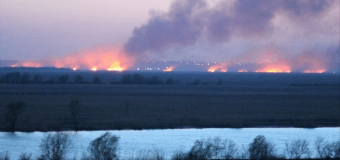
(234, 105)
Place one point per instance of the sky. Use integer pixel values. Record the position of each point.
(211, 30)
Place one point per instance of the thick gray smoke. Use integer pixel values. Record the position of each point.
(181, 26)
(188, 20)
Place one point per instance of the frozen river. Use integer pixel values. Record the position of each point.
(168, 140)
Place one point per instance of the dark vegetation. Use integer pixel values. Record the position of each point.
(167, 100)
(56, 146)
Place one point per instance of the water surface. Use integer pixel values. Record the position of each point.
(168, 140)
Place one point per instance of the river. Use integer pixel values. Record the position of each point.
(166, 140)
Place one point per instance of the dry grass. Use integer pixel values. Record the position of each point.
(104, 106)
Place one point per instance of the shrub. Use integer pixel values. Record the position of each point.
(25, 79)
(219, 82)
(297, 149)
(104, 147)
(37, 79)
(78, 79)
(13, 77)
(170, 81)
(55, 146)
(138, 79)
(25, 156)
(96, 80)
(261, 149)
(12, 113)
(154, 80)
(179, 156)
(196, 82)
(4, 156)
(126, 79)
(63, 79)
(327, 150)
(212, 149)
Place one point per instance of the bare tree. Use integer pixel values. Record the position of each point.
(230, 150)
(12, 113)
(297, 149)
(327, 150)
(25, 156)
(55, 146)
(261, 149)
(74, 107)
(4, 156)
(104, 147)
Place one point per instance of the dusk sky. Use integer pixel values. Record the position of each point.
(169, 30)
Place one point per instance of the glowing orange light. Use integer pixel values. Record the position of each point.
(223, 67)
(275, 68)
(243, 70)
(115, 67)
(211, 70)
(27, 64)
(315, 71)
(168, 69)
(74, 69)
(101, 58)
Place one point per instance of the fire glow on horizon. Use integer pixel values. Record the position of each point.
(222, 67)
(169, 69)
(109, 59)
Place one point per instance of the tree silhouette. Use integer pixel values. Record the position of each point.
(74, 107)
(37, 79)
(12, 113)
(78, 79)
(55, 146)
(96, 80)
(25, 79)
(260, 148)
(104, 147)
(63, 79)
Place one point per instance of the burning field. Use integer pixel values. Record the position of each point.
(101, 58)
(111, 59)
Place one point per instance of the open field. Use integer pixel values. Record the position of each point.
(174, 106)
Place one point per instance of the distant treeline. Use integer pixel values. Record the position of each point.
(25, 78)
(57, 146)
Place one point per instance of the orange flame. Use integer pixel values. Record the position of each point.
(169, 69)
(316, 65)
(223, 67)
(34, 64)
(98, 59)
(315, 71)
(115, 67)
(243, 70)
(275, 68)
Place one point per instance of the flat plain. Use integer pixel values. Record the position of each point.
(252, 100)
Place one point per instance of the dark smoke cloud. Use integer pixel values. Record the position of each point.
(178, 27)
(187, 20)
